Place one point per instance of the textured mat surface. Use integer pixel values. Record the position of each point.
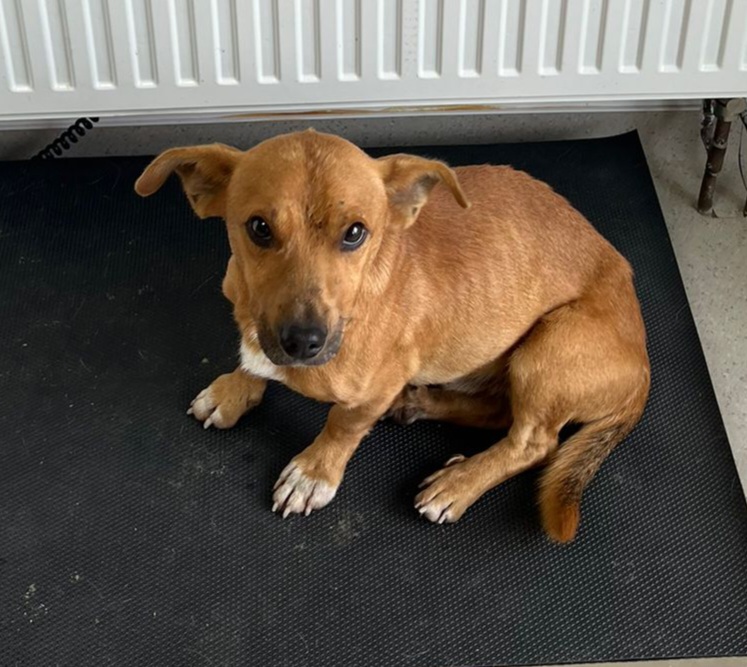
(131, 536)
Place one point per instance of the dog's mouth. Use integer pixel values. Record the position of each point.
(271, 345)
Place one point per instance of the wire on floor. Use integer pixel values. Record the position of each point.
(66, 139)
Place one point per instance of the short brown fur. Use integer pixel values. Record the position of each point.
(510, 312)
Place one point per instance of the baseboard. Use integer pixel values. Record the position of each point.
(242, 116)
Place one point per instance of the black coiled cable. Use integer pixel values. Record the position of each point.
(64, 141)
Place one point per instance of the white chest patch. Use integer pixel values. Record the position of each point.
(255, 362)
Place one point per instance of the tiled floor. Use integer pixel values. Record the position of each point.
(712, 252)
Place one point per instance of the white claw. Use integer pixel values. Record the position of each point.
(297, 493)
(284, 475)
(274, 507)
(202, 405)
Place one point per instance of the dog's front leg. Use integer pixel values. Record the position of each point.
(229, 397)
(312, 478)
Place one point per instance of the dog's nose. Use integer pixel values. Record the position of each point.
(302, 342)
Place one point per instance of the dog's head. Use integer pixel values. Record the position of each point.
(307, 216)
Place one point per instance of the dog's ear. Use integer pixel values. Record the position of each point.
(203, 170)
(410, 179)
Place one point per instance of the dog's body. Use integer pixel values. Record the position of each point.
(513, 313)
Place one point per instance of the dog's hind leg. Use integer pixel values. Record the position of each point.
(481, 410)
(584, 363)
(449, 492)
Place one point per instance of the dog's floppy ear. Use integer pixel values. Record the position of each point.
(203, 170)
(410, 179)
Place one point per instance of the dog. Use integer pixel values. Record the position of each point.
(399, 286)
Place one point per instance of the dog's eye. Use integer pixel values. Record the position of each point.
(354, 236)
(259, 231)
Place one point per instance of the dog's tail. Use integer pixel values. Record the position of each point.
(572, 467)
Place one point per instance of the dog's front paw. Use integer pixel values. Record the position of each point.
(299, 491)
(448, 493)
(224, 402)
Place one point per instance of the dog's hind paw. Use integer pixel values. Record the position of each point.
(449, 492)
(297, 492)
(408, 406)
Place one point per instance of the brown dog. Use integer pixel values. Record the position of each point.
(374, 285)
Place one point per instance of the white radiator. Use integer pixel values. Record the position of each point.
(251, 58)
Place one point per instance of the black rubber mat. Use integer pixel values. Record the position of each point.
(131, 536)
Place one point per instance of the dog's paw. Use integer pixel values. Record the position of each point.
(206, 409)
(224, 402)
(409, 406)
(298, 491)
(448, 493)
